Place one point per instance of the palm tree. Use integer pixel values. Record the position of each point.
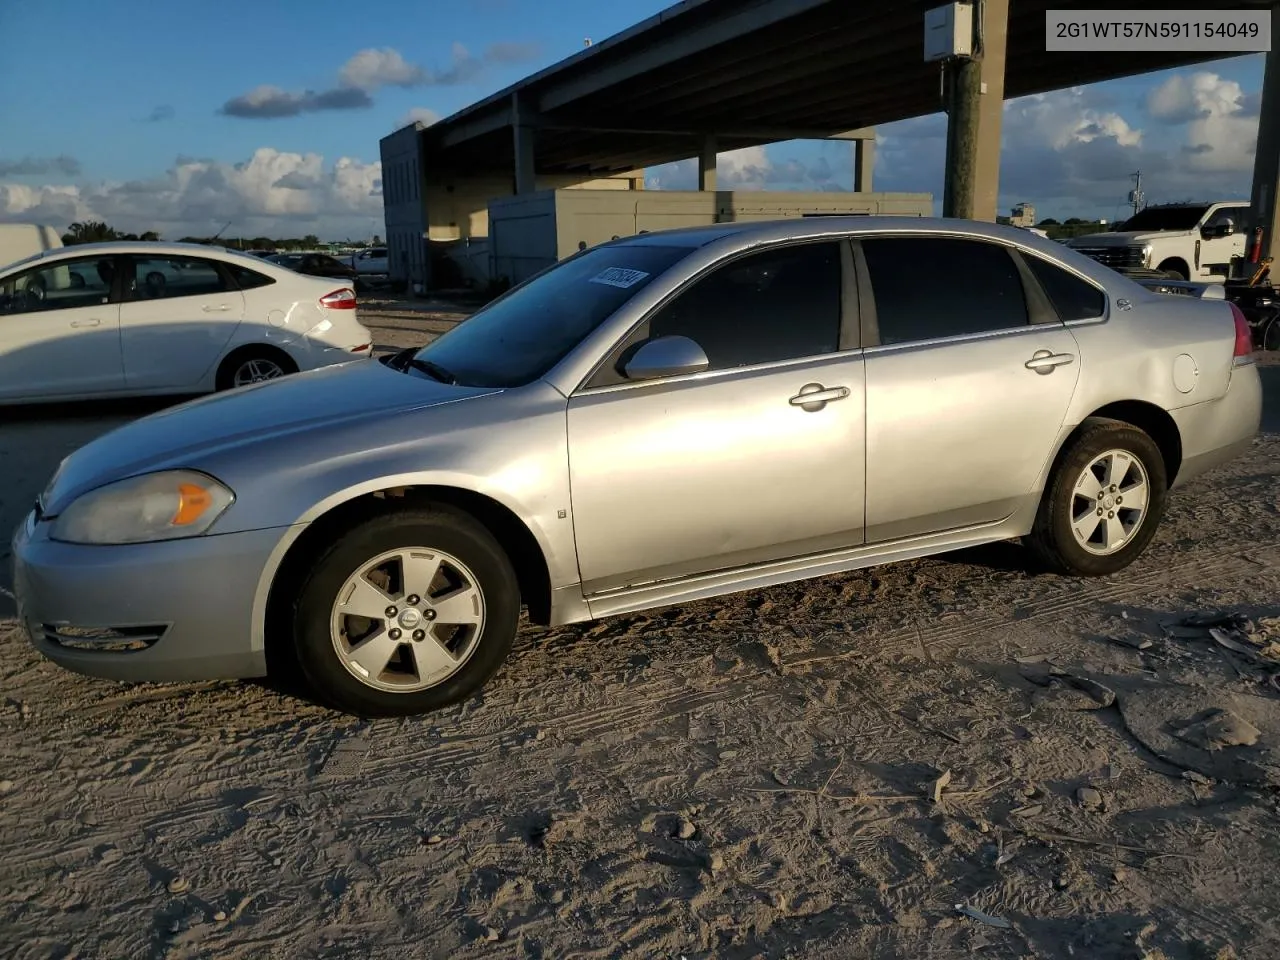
(88, 231)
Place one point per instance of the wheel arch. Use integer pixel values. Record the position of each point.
(257, 348)
(1176, 261)
(1152, 420)
(517, 540)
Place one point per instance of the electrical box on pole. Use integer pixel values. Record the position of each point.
(948, 32)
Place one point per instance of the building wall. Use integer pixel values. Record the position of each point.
(404, 206)
(458, 207)
(531, 232)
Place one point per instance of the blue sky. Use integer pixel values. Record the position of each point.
(139, 116)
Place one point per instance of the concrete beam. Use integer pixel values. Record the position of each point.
(976, 107)
(523, 134)
(490, 122)
(864, 164)
(707, 164)
(749, 17)
(1266, 161)
(731, 132)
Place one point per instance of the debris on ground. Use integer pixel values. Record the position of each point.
(1218, 729)
(939, 785)
(1090, 799)
(973, 913)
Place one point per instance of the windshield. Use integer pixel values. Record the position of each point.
(522, 335)
(1165, 218)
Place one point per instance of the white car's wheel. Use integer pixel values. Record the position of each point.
(253, 365)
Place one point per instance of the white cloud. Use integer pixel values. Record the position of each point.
(751, 168)
(424, 115)
(370, 69)
(273, 193)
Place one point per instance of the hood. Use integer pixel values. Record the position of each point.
(1124, 238)
(186, 434)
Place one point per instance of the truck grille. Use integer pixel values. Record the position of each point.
(1117, 258)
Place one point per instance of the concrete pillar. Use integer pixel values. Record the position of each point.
(523, 132)
(975, 98)
(1266, 161)
(707, 164)
(864, 164)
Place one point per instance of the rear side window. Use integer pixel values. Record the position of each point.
(931, 287)
(1072, 298)
(245, 278)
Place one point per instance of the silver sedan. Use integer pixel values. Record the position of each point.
(663, 418)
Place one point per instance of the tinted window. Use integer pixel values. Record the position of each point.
(1237, 215)
(1072, 298)
(1165, 218)
(63, 285)
(163, 278)
(245, 278)
(929, 287)
(520, 336)
(776, 305)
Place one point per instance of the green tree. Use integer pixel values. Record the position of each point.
(88, 231)
(311, 240)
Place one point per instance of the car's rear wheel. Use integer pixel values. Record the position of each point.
(253, 365)
(1104, 501)
(406, 613)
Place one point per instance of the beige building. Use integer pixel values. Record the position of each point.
(1024, 215)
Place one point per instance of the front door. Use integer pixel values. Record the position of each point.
(60, 331)
(966, 395)
(729, 467)
(178, 315)
(1215, 252)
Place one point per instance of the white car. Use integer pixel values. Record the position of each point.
(371, 261)
(135, 319)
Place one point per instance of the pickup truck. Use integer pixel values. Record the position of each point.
(1184, 241)
(371, 261)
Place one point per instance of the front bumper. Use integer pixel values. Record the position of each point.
(169, 611)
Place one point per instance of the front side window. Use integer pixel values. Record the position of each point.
(766, 307)
(926, 288)
(521, 336)
(63, 285)
(163, 278)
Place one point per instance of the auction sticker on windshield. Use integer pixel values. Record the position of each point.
(619, 277)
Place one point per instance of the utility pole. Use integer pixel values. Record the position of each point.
(1136, 197)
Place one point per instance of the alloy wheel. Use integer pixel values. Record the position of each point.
(1109, 502)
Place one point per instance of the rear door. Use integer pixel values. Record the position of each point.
(60, 330)
(970, 373)
(178, 314)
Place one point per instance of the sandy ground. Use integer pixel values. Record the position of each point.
(760, 775)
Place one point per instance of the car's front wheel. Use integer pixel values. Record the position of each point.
(1104, 500)
(406, 613)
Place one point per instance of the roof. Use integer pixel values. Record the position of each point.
(156, 247)
(751, 72)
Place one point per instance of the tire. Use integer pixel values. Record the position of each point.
(1175, 270)
(231, 373)
(1271, 334)
(1053, 539)
(331, 646)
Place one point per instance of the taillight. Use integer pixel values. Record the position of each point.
(344, 299)
(1244, 335)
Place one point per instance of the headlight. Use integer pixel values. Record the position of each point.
(156, 506)
(1146, 255)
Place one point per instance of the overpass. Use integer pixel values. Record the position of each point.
(705, 76)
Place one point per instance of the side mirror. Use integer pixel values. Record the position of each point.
(666, 357)
(1226, 228)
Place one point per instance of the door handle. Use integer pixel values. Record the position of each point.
(220, 308)
(1046, 361)
(814, 396)
(86, 323)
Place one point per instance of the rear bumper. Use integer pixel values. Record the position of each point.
(176, 610)
(1220, 430)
